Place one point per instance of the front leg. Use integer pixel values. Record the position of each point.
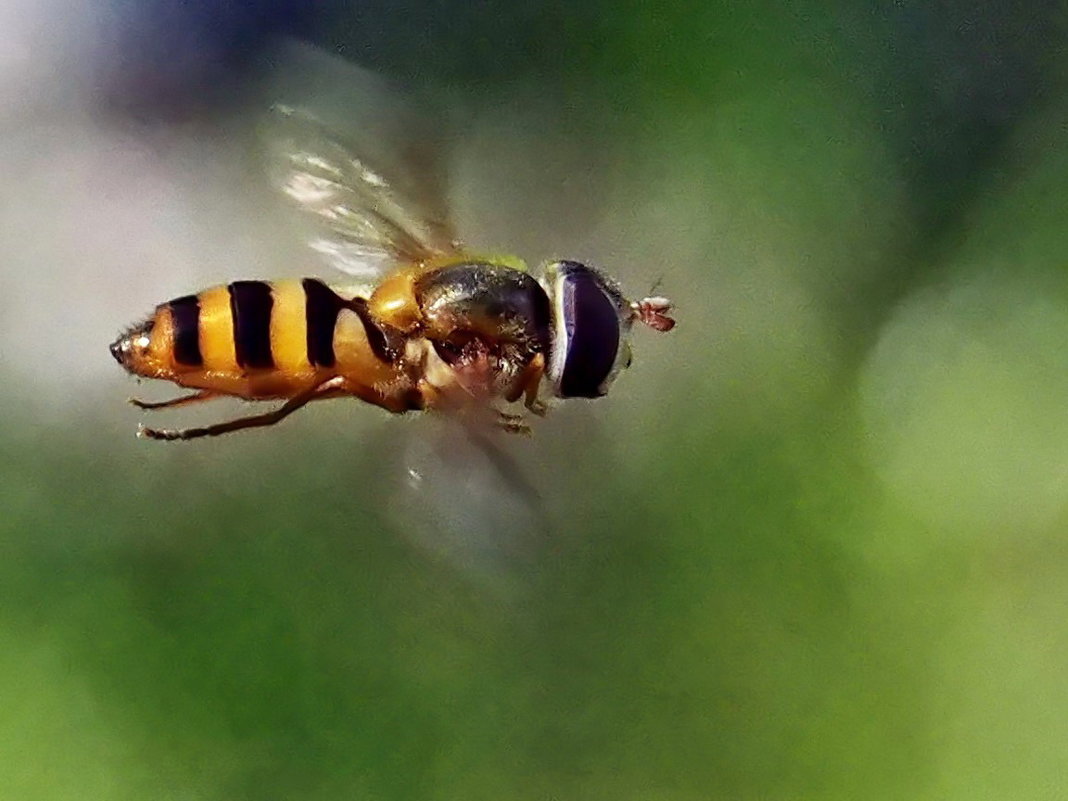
(433, 398)
(513, 423)
(527, 385)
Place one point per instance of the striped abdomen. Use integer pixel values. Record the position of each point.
(259, 339)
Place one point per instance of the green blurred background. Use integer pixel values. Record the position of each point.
(813, 546)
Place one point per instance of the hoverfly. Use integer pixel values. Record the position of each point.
(429, 325)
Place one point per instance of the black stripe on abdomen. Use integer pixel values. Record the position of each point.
(250, 305)
(321, 308)
(386, 343)
(185, 315)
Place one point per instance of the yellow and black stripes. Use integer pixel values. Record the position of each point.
(323, 306)
(386, 343)
(252, 326)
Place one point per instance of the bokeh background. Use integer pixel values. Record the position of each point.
(813, 546)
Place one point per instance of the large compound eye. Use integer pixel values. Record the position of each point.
(587, 330)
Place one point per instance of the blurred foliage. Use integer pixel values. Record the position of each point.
(812, 547)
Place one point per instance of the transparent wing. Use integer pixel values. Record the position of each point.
(464, 497)
(362, 225)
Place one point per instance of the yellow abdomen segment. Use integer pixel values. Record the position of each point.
(215, 332)
(289, 329)
(357, 357)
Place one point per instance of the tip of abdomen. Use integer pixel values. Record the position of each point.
(132, 345)
(117, 348)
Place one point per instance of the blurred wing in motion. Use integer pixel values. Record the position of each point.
(363, 225)
(374, 197)
(459, 495)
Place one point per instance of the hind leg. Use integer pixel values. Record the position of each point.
(184, 400)
(325, 390)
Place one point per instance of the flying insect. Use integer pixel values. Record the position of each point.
(426, 325)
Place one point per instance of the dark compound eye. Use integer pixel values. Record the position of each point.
(587, 334)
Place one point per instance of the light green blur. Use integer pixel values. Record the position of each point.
(812, 546)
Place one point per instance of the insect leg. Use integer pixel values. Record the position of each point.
(434, 398)
(326, 389)
(196, 397)
(513, 423)
(527, 386)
